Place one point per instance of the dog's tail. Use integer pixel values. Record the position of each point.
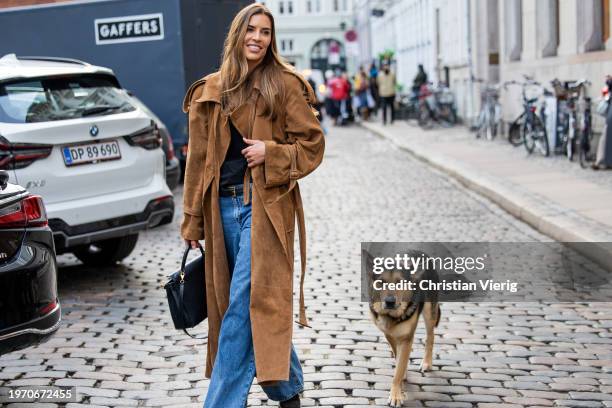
(439, 315)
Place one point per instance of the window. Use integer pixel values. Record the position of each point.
(61, 98)
(313, 6)
(514, 29)
(592, 25)
(336, 5)
(281, 7)
(290, 7)
(547, 38)
(286, 45)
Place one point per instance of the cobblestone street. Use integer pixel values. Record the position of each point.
(117, 344)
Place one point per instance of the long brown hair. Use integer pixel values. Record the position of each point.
(236, 82)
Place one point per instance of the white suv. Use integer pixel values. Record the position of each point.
(69, 133)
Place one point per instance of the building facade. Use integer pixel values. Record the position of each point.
(454, 40)
(406, 29)
(459, 41)
(311, 33)
(547, 39)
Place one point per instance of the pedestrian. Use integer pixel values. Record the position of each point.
(330, 108)
(317, 103)
(361, 93)
(339, 93)
(252, 134)
(346, 112)
(603, 158)
(419, 80)
(386, 89)
(334, 85)
(374, 86)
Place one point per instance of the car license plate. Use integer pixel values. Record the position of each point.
(91, 153)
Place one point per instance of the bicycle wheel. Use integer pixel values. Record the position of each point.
(515, 136)
(480, 124)
(585, 149)
(541, 137)
(570, 146)
(491, 127)
(452, 116)
(583, 158)
(424, 117)
(528, 136)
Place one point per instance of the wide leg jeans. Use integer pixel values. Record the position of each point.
(234, 368)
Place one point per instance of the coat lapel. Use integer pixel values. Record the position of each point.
(241, 118)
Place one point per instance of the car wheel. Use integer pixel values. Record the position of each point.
(107, 252)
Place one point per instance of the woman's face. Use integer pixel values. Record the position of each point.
(257, 38)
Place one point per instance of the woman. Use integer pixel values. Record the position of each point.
(252, 134)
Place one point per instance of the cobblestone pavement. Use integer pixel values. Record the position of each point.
(118, 347)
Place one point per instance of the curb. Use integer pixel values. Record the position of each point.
(586, 236)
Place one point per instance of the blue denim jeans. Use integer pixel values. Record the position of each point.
(234, 368)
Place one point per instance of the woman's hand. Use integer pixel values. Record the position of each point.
(192, 244)
(255, 153)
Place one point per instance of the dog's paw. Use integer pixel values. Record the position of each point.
(396, 397)
(425, 366)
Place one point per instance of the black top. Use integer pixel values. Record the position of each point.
(234, 166)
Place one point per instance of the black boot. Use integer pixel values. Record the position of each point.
(293, 402)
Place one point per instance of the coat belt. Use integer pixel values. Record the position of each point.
(303, 321)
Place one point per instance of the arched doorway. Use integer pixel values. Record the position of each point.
(328, 53)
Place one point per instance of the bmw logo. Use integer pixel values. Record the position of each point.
(93, 130)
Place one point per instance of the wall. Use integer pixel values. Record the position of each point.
(306, 29)
(570, 63)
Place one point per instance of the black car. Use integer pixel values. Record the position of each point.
(29, 307)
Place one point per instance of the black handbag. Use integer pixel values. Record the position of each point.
(186, 291)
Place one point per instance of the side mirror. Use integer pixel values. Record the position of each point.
(4, 176)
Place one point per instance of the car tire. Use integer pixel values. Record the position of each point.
(107, 252)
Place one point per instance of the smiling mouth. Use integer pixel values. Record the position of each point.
(254, 48)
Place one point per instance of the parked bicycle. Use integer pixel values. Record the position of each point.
(587, 156)
(570, 123)
(407, 107)
(532, 129)
(489, 120)
(436, 105)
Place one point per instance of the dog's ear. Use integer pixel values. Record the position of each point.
(369, 261)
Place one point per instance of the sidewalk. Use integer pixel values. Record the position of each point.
(555, 196)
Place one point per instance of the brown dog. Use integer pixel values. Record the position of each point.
(396, 314)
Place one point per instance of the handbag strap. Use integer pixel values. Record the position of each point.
(181, 303)
(184, 261)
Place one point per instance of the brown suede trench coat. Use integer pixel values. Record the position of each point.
(294, 148)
